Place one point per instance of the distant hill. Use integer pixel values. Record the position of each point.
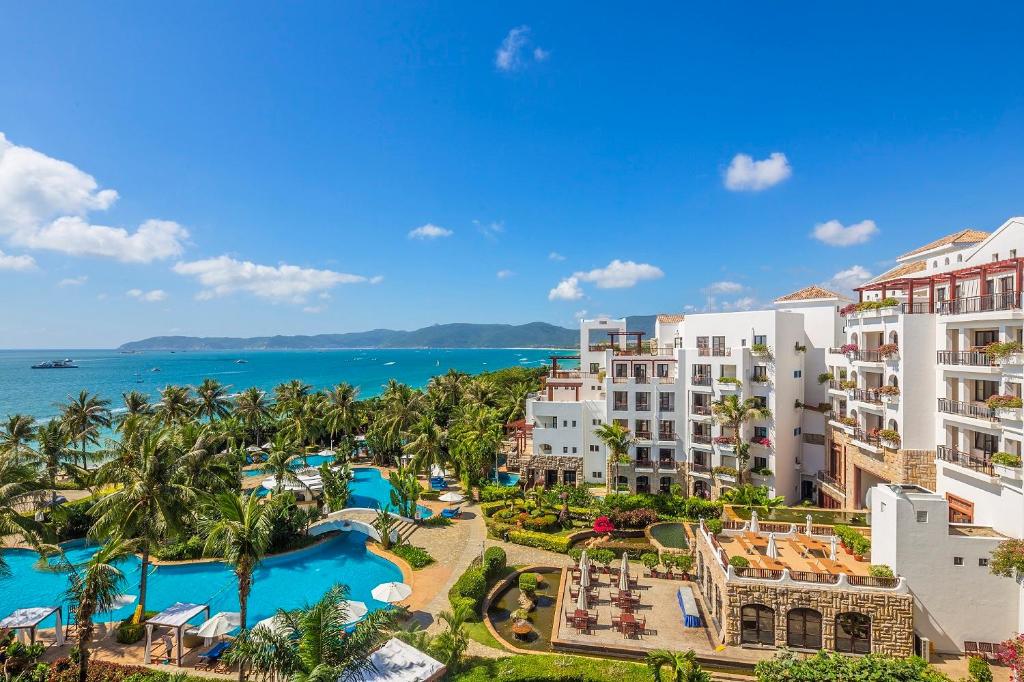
(456, 335)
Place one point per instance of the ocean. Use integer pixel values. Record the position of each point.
(110, 373)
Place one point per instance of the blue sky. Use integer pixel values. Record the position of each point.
(288, 153)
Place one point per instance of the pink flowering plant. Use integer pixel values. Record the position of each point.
(849, 348)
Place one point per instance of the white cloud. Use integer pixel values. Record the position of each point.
(566, 290)
(505, 274)
(834, 233)
(152, 296)
(847, 279)
(224, 275)
(73, 281)
(746, 174)
(579, 315)
(554, 255)
(429, 231)
(44, 204)
(724, 287)
(743, 303)
(16, 263)
(490, 230)
(313, 309)
(620, 274)
(510, 54)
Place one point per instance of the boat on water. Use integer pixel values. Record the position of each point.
(155, 369)
(241, 362)
(66, 363)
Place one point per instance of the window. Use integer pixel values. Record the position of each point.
(662, 370)
(984, 337)
(761, 338)
(803, 629)
(760, 432)
(565, 449)
(1013, 253)
(595, 448)
(960, 510)
(666, 429)
(565, 422)
(595, 422)
(718, 345)
(986, 442)
(667, 402)
(595, 367)
(797, 373)
(757, 623)
(574, 450)
(760, 462)
(621, 370)
(643, 402)
(983, 562)
(702, 344)
(995, 257)
(620, 400)
(643, 454)
(922, 517)
(597, 474)
(665, 485)
(574, 423)
(797, 431)
(760, 400)
(959, 258)
(853, 633)
(760, 373)
(958, 561)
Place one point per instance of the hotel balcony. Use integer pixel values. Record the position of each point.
(666, 465)
(702, 439)
(644, 466)
(866, 440)
(870, 396)
(967, 460)
(700, 411)
(967, 358)
(834, 486)
(642, 435)
(965, 409)
(666, 435)
(972, 305)
(701, 380)
(714, 352)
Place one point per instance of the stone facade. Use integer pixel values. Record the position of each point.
(653, 474)
(891, 612)
(544, 463)
(915, 467)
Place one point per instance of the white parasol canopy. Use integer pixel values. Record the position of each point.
(355, 611)
(585, 579)
(754, 526)
(452, 496)
(274, 624)
(220, 624)
(391, 592)
(624, 573)
(121, 601)
(832, 548)
(584, 561)
(808, 523)
(773, 549)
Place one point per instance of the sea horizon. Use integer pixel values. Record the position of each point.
(110, 372)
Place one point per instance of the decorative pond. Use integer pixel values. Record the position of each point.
(671, 535)
(541, 619)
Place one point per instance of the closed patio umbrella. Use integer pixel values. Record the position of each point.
(581, 600)
(832, 548)
(773, 549)
(808, 524)
(585, 579)
(584, 562)
(624, 573)
(754, 527)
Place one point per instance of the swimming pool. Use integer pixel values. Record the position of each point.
(506, 478)
(287, 581)
(311, 460)
(369, 488)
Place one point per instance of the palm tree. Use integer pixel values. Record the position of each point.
(213, 400)
(176, 405)
(512, 400)
(83, 418)
(54, 456)
(426, 447)
(16, 434)
(252, 407)
(18, 483)
(315, 647)
(479, 392)
(618, 440)
(733, 412)
(341, 411)
(451, 644)
(279, 460)
(135, 403)
(239, 531)
(152, 502)
(475, 435)
(684, 666)
(747, 495)
(95, 586)
(200, 468)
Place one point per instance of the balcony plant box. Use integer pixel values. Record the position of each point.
(890, 352)
(1007, 465)
(725, 473)
(727, 443)
(1006, 406)
(890, 438)
(849, 349)
(761, 476)
(729, 384)
(889, 394)
(1006, 353)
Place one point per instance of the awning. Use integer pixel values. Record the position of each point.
(397, 661)
(30, 618)
(175, 617)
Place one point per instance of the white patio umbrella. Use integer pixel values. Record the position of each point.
(584, 561)
(581, 600)
(808, 524)
(624, 573)
(773, 549)
(355, 611)
(754, 527)
(220, 624)
(585, 579)
(121, 601)
(274, 624)
(452, 497)
(391, 592)
(832, 548)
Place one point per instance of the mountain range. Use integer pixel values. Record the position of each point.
(455, 335)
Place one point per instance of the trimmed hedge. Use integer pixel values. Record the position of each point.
(471, 585)
(488, 508)
(528, 582)
(416, 556)
(552, 543)
(495, 562)
(632, 549)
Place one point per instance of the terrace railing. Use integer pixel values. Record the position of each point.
(867, 355)
(964, 459)
(809, 577)
(701, 380)
(828, 479)
(1007, 300)
(966, 409)
(866, 437)
(758, 573)
(866, 395)
(701, 410)
(701, 438)
(971, 358)
(873, 581)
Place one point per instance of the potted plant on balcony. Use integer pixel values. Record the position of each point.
(849, 349)
(889, 351)
(825, 377)
(761, 475)
(1006, 352)
(729, 383)
(889, 437)
(726, 472)
(889, 394)
(1007, 465)
(761, 350)
(725, 442)
(1006, 406)
(760, 379)
(848, 309)
(848, 422)
(762, 440)
(848, 385)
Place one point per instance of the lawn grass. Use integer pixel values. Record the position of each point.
(478, 632)
(538, 668)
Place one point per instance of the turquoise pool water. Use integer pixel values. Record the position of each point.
(506, 479)
(288, 581)
(369, 489)
(311, 460)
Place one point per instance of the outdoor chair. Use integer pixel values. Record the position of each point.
(210, 658)
(987, 650)
(970, 648)
(452, 513)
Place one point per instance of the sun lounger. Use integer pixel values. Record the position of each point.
(451, 513)
(211, 657)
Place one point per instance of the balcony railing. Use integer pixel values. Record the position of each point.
(866, 437)
(714, 352)
(643, 407)
(867, 355)
(964, 459)
(966, 409)
(830, 480)
(666, 435)
(873, 581)
(701, 438)
(633, 349)
(644, 464)
(701, 380)
(643, 435)
(702, 410)
(666, 464)
(620, 407)
(963, 357)
(1007, 300)
(919, 307)
(666, 406)
(700, 466)
(866, 395)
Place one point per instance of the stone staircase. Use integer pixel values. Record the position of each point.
(405, 530)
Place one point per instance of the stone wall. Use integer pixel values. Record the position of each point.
(561, 463)
(654, 478)
(895, 466)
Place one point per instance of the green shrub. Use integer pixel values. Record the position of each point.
(825, 377)
(498, 530)
(835, 667)
(738, 561)
(1006, 459)
(542, 523)
(528, 582)
(730, 380)
(552, 543)
(72, 520)
(649, 559)
(436, 521)
(471, 585)
(185, 550)
(430, 495)
(880, 571)
(854, 541)
(495, 561)
(128, 632)
(714, 526)
(488, 508)
(416, 556)
(979, 670)
(494, 493)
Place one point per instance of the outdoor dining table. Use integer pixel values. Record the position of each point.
(628, 624)
(582, 620)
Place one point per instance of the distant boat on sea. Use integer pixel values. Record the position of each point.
(241, 362)
(66, 363)
(155, 369)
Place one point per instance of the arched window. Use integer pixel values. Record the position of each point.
(665, 485)
(643, 484)
(757, 624)
(701, 489)
(853, 633)
(622, 483)
(893, 425)
(894, 381)
(803, 629)
(894, 337)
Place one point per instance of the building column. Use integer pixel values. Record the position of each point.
(931, 295)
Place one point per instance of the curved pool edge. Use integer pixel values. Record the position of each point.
(506, 583)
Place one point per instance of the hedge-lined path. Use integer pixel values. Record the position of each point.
(521, 555)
